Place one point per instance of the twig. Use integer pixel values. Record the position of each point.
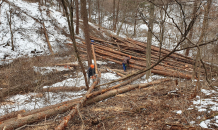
(210, 42)
(81, 118)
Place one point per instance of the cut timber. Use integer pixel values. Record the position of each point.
(11, 115)
(116, 86)
(68, 64)
(14, 123)
(123, 90)
(66, 119)
(47, 39)
(159, 71)
(63, 89)
(118, 73)
(93, 53)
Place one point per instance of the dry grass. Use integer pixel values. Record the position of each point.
(21, 73)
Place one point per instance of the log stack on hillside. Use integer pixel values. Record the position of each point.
(176, 65)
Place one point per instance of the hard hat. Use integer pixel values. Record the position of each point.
(92, 66)
(92, 40)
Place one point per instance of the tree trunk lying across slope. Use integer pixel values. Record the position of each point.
(123, 90)
(116, 86)
(74, 111)
(15, 123)
(11, 115)
(63, 89)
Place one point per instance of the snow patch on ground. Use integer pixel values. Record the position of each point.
(32, 101)
(207, 105)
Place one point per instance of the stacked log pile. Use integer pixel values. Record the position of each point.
(176, 65)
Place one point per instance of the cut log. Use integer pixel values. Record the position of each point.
(160, 72)
(63, 89)
(64, 122)
(116, 86)
(68, 64)
(123, 90)
(11, 115)
(14, 123)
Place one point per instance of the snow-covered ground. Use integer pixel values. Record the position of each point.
(32, 101)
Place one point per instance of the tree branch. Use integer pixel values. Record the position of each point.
(210, 42)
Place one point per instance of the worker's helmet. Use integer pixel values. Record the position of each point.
(130, 57)
(92, 66)
(92, 40)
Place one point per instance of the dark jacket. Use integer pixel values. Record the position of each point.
(126, 60)
(91, 71)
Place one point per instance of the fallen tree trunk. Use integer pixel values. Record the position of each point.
(64, 122)
(63, 89)
(10, 115)
(14, 123)
(68, 64)
(123, 90)
(116, 86)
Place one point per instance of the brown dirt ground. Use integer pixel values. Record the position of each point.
(152, 108)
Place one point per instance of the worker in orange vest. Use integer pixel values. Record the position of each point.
(91, 72)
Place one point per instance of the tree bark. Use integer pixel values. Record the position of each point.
(114, 18)
(149, 40)
(191, 31)
(90, 10)
(47, 39)
(203, 31)
(86, 31)
(117, 13)
(10, 115)
(77, 16)
(10, 22)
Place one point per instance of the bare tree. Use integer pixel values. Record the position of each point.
(10, 26)
(86, 30)
(90, 10)
(77, 16)
(191, 31)
(149, 39)
(45, 32)
(203, 31)
(67, 7)
(114, 18)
